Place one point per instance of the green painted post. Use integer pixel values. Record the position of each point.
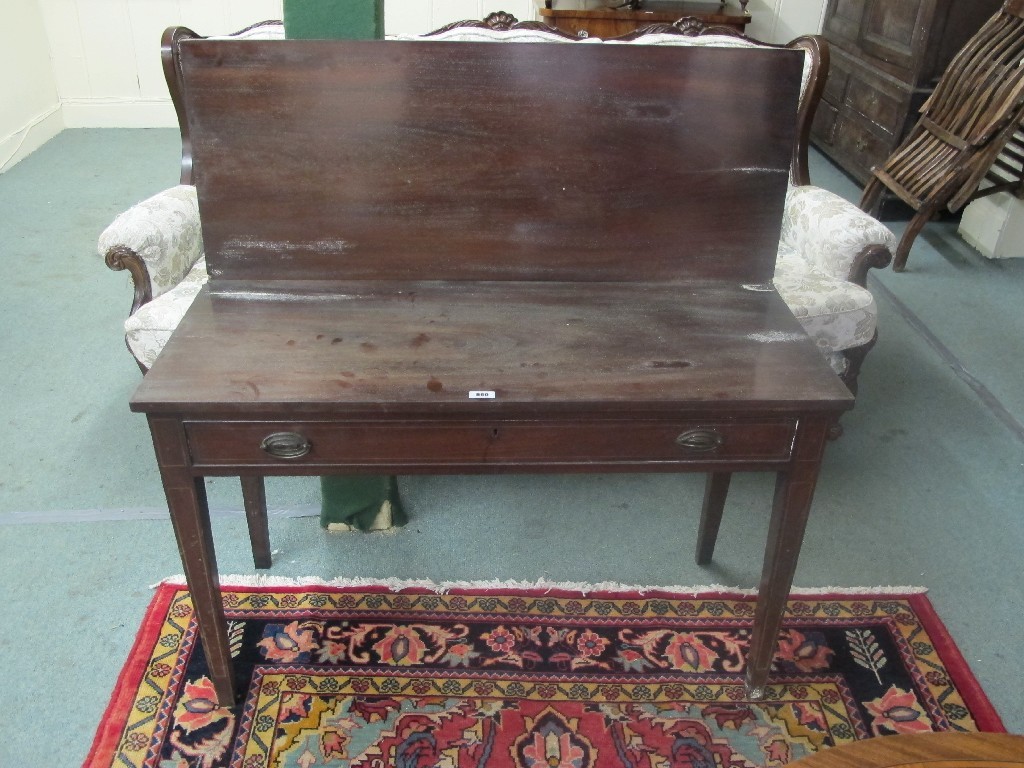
(347, 501)
(334, 19)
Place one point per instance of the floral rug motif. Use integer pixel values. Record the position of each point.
(495, 678)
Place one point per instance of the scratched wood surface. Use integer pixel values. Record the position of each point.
(924, 750)
(539, 346)
(479, 161)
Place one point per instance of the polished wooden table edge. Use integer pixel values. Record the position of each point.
(562, 413)
(924, 750)
(332, 302)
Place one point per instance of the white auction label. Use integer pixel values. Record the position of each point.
(481, 394)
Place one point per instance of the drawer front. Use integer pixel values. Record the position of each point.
(425, 444)
(861, 143)
(879, 105)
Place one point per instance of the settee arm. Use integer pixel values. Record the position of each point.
(834, 236)
(157, 241)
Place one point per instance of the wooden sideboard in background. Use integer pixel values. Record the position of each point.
(583, 19)
(887, 56)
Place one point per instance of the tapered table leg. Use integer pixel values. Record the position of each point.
(254, 497)
(190, 517)
(794, 490)
(716, 488)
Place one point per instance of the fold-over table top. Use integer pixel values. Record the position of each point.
(421, 348)
(573, 228)
(402, 160)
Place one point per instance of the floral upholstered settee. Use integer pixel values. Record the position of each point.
(826, 247)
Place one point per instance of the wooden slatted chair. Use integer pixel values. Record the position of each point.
(969, 119)
(1007, 172)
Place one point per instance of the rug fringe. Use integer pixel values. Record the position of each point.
(541, 584)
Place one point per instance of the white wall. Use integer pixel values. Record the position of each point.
(31, 113)
(106, 53)
(779, 21)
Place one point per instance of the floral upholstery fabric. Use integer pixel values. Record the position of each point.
(486, 35)
(828, 231)
(148, 330)
(835, 313)
(164, 230)
(268, 30)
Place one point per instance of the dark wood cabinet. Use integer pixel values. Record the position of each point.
(584, 20)
(887, 56)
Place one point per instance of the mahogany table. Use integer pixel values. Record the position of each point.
(585, 378)
(394, 290)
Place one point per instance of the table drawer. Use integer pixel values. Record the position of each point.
(426, 444)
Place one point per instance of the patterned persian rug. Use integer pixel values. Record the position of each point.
(370, 677)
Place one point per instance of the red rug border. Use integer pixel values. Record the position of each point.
(116, 713)
(131, 676)
(985, 715)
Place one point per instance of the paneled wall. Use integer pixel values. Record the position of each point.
(106, 62)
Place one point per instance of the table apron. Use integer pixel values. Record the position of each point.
(235, 447)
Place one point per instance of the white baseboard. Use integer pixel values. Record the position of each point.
(98, 113)
(31, 136)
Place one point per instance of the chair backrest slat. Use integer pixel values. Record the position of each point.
(976, 81)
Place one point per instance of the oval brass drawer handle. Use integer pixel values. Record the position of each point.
(286, 445)
(699, 440)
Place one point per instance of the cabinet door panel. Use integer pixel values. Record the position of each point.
(894, 30)
(842, 22)
(838, 77)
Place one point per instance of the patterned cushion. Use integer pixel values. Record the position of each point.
(837, 314)
(148, 330)
(828, 231)
(164, 230)
(486, 35)
(268, 30)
